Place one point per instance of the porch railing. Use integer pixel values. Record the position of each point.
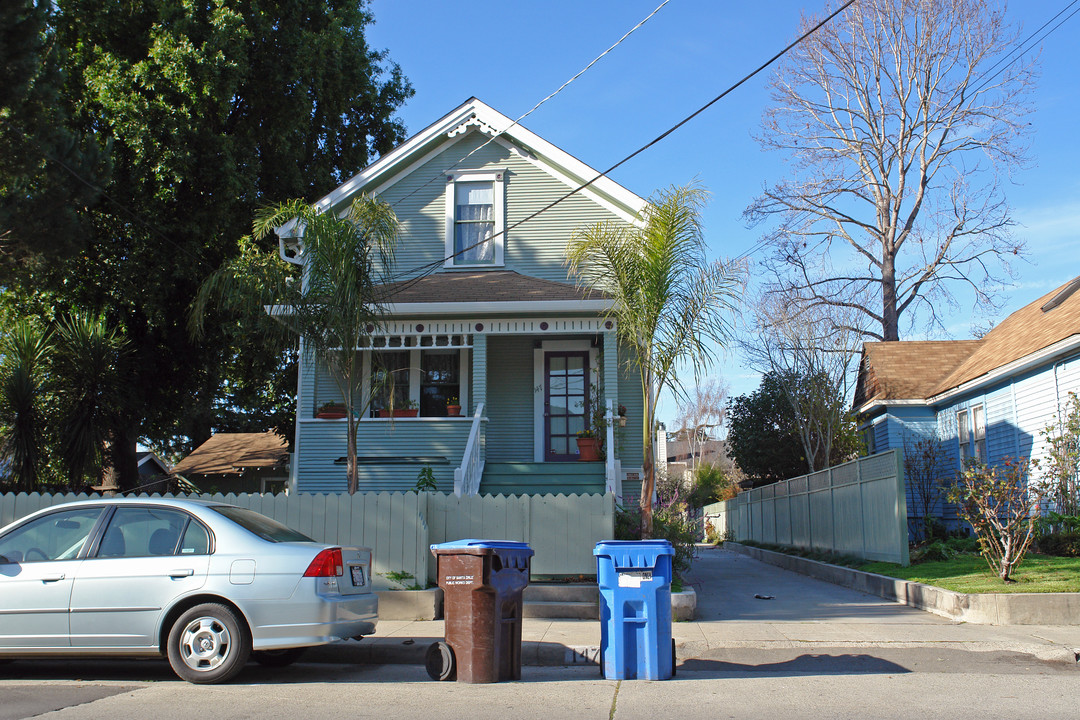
(611, 475)
(467, 477)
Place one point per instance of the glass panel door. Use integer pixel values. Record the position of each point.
(566, 392)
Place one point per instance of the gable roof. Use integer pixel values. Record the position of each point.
(907, 369)
(455, 125)
(233, 453)
(1025, 332)
(924, 370)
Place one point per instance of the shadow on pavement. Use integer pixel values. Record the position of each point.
(809, 664)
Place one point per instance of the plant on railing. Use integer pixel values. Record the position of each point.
(1003, 510)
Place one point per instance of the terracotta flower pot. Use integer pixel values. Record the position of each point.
(588, 449)
(453, 410)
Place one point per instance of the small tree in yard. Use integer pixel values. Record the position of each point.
(1002, 510)
(1062, 462)
(924, 459)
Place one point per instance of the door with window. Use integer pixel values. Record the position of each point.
(566, 393)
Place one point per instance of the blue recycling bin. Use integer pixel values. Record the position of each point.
(635, 609)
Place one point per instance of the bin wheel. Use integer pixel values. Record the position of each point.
(673, 658)
(440, 662)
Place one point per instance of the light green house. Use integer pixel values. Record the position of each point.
(483, 311)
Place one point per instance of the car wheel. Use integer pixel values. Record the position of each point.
(208, 644)
(277, 658)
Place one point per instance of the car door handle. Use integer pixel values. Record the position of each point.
(186, 572)
(53, 578)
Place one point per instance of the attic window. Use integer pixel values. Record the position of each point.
(1062, 295)
(475, 218)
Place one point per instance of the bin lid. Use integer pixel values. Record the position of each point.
(633, 553)
(473, 544)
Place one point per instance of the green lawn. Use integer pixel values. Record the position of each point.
(970, 574)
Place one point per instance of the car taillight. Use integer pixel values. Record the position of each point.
(327, 563)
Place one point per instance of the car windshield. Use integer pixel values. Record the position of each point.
(264, 527)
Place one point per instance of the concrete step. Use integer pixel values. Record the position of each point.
(565, 478)
(562, 592)
(574, 601)
(561, 610)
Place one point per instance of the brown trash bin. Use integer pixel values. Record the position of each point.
(482, 583)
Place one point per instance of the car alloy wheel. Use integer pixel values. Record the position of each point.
(208, 644)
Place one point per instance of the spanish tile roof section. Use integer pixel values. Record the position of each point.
(233, 453)
(485, 286)
(1027, 331)
(908, 370)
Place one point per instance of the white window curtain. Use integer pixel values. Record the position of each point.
(474, 222)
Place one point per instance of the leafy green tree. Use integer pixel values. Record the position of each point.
(670, 302)
(763, 434)
(208, 112)
(332, 306)
(1060, 464)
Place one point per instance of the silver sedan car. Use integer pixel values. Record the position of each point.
(206, 584)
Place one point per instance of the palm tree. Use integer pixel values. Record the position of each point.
(670, 303)
(22, 387)
(89, 384)
(331, 307)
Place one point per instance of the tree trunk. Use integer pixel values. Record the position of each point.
(648, 469)
(353, 474)
(890, 318)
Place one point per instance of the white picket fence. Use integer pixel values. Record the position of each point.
(858, 508)
(400, 527)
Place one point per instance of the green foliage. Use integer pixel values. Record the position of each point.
(941, 550)
(1052, 521)
(669, 523)
(967, 573)
(154, 130)
(425, 480)
(1060, 467)
(710, 484)
(1060, 544)
(763, 436)
(671, 302)
(1001, 508)
(402, 578)
(22, 413)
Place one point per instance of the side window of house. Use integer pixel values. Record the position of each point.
(971, 432)
(474, 219)
(963, 432)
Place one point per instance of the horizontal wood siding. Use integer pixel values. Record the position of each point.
(537, 247)
(629, 438)
(1001, 434)
(324, 441)
(510, 398)
(1036, 406)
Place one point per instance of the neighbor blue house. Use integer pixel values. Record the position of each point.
(986, 399)
(499, 329)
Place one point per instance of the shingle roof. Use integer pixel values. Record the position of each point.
(485, 286)
(1026, 331)
(922, 369)
(908, 369)
(232, 453)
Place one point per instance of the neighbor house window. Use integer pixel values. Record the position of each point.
(474, 219)
(440, 381)
(390, 375)
(971, 431)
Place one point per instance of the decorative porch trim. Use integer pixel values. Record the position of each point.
(418, 328)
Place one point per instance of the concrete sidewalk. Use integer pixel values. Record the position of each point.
(742, 603)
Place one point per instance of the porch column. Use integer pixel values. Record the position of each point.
(479, 371)
(611, 368)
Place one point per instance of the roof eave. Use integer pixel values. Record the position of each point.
(488, 307)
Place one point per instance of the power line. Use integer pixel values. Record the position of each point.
(428, 268)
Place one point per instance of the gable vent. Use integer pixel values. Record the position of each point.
(1062, 296)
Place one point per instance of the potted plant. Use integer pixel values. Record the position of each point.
(588, 446)
(408, 409)
(453, 407)
(331, 410)
(622, 416)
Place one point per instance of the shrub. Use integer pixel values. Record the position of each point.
(1001, 508)
(1060, 544)
(669, 523)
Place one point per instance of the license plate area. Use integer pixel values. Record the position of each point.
(357, 572)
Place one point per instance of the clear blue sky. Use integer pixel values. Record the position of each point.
(512, 54)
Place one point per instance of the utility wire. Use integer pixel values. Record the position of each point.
(428, 268)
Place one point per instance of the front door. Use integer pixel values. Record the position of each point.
(566, 393)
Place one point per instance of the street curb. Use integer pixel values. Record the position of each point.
(981, 609)
(412, 651)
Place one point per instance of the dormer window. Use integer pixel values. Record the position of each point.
(475, 221)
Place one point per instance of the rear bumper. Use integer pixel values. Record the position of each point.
(313, 621)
